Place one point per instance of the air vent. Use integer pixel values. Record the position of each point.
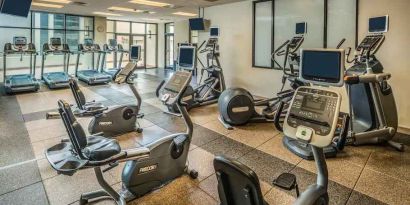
(79, 3)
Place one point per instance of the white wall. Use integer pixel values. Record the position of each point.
(181, 34)
(235, 22)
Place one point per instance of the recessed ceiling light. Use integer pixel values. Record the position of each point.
(150, 3)
(184, 14)
(125, 9)
(106, 13)
(47, 5)
(58, 1)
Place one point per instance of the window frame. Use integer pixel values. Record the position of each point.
(325, 30)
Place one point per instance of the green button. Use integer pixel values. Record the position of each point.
(303, 133)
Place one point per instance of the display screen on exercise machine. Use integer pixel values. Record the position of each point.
(55, 42)
(177, 82)
(214, 32)
(322, 66)
(112, 42)
(135, 53)
(379, 24)
(20, 41)
(186, 58)
(301, 28)
(88, 42)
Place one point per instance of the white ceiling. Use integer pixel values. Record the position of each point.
(161, 14)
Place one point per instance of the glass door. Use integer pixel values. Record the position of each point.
(124, 40)
(169, 51)
(139, 40)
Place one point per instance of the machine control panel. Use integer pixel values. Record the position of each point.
(369, 41)
(174, 86)
(313, 115)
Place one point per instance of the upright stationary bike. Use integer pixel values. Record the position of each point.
(312, 118)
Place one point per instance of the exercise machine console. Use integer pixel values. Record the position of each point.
(20, 82)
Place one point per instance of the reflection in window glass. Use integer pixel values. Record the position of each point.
(40, 37)
(341, 24)
(79, 23)
(151, 28)
(138, 28)
(169, 28)
(48, 21)
(77, 37)
(122, 27)
(288, 13)
(9, 20)
(263, 34)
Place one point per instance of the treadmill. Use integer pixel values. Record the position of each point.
(20, 82)
(91, 76)
(55, 80)
(114, 48)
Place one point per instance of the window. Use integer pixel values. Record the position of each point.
(169, 28)
(71, 29)
(138, 28)
(263, 29)
(134, 33)
(274, 22)
(122, 27)
(39, 27)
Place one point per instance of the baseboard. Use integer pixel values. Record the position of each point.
(404, 130)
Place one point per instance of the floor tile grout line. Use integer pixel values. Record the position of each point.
(358, 178)
(39, 181)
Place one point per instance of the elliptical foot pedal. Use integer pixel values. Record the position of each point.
(287, 181)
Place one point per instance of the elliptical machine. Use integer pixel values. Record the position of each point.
(147, 168)
(237, 105)
(372, 106)
(312, 118)
(208, 91)
(372, 114)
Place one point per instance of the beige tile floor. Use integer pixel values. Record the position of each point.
(380, 173)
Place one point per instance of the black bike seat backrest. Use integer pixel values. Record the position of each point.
(78, 94)
(237, 183)
(76, 133)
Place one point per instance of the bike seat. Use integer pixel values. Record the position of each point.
(237, 183)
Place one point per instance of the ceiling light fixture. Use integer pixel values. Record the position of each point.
(47, 5)
(150, 3)
(184, 14)
(105, 13)
(125, 9)
(58, 1)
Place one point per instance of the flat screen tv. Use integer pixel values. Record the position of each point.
(15, 7)
(197, 24)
